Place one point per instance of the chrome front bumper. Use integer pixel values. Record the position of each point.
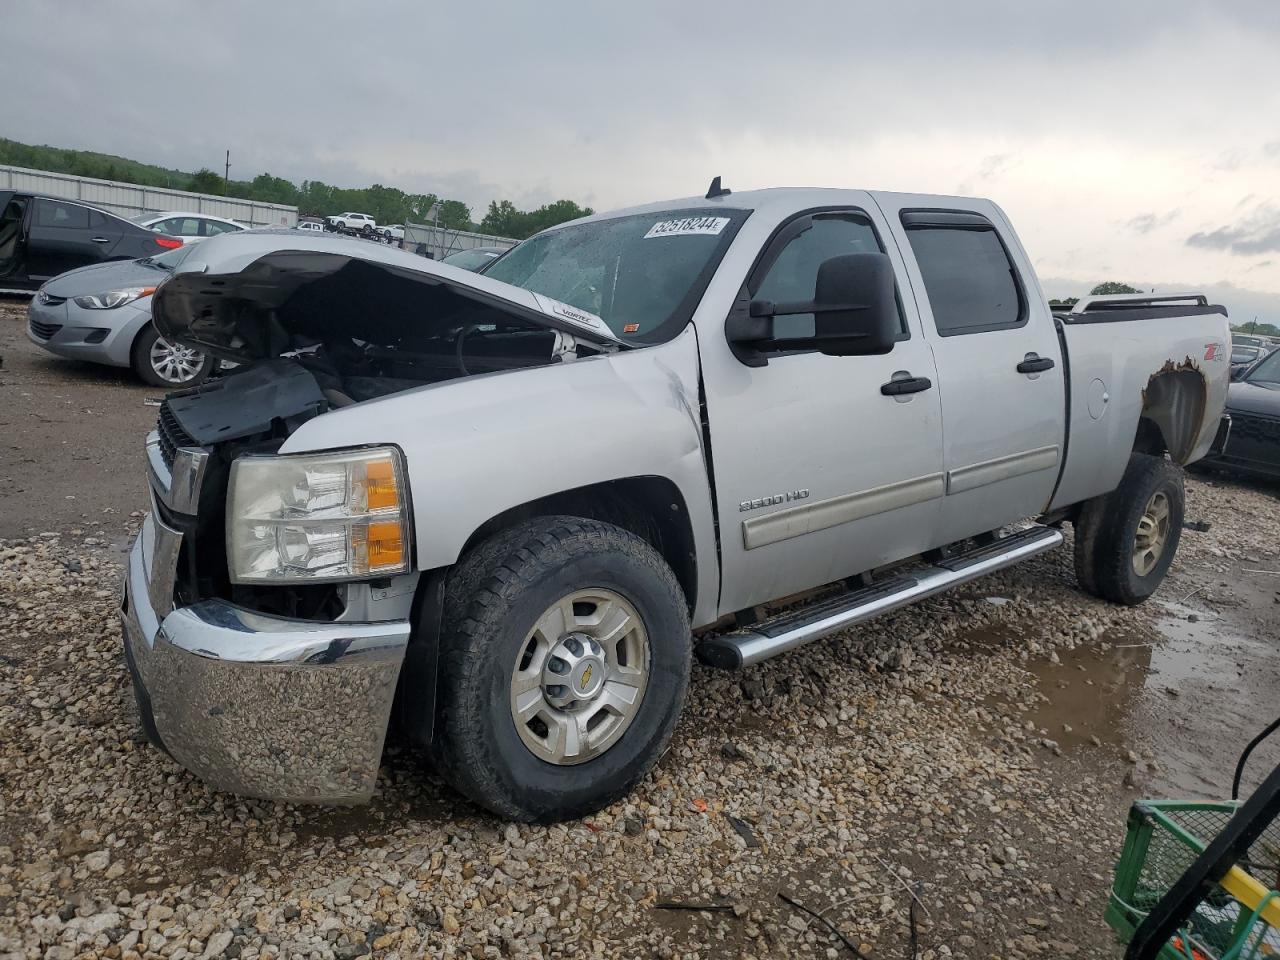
(253, 704)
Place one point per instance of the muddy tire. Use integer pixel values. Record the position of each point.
(564, 659)
(1126, 540)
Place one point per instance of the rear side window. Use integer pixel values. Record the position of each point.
(971, 282)
(213, 227)
(179, 227)
(52, 213)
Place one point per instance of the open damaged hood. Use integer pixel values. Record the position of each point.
(257, 294)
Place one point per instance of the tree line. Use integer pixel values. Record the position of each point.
(1109, 289)
(311, 197)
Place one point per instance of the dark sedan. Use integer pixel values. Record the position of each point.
(1253, 401)
(41, 237)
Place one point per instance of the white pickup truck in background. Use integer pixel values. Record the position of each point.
(512, 505)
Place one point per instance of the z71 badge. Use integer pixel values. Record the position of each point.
(777, 498)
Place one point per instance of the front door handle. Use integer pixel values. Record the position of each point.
(100, 239)
(896, 388)
(1035, 365)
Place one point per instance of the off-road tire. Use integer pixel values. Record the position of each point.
(140, 361)
(492, 599)
(1107, 527)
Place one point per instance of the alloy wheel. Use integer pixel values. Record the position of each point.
(1152, 535)
(175, 363)
(580, 677)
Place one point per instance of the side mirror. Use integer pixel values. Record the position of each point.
(1237, 373)
(854, 307)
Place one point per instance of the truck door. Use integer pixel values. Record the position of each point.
(1000, 370)
(819, 474)
(60, 239)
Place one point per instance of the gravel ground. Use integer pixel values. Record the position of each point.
(938, 756)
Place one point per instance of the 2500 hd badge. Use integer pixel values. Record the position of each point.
(777, 498)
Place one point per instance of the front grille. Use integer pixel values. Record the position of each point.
(1251, 429)
(43, 331)
(1254, 439)
(172, 436)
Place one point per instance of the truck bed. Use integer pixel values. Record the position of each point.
(1121, 353)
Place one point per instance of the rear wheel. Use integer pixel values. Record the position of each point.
(1126, 540)
(164, 364)
(564, 660)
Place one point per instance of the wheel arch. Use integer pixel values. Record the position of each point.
(1172, 416)
(652, 507)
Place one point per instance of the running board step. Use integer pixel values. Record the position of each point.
(795, 628)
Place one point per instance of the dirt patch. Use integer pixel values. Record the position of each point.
(70, 437)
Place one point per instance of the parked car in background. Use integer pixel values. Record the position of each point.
(1252, 443)
(102, 314)
(392, 231)
(1244, 356)
(1247, 340)
(187, 227)
(360, 222)
(475, 259)
(42, 237)
(314, 226)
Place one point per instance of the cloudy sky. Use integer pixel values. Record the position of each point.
(1136, 140)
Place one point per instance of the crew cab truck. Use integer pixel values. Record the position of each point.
(506, 510)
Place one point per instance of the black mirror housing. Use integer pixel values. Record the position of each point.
(854, 306)
(857, 305)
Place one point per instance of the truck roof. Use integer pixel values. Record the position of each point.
(783, 200)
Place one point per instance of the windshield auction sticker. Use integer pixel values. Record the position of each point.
(687, 227)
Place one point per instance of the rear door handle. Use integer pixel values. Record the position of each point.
(896, 388)
(100, 239)
(1035, 365)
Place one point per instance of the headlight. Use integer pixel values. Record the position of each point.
(342, 515)
(114, 298)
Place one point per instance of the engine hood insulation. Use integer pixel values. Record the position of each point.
(255, 295)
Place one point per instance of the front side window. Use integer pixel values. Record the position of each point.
(54, 213)
(642, 274)
(970, 281)
(793, 275)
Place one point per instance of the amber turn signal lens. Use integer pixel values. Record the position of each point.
(385, 546)
(380, 485)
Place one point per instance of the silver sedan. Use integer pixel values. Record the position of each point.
(102, 314)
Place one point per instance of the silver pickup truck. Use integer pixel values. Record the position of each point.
(504, 511)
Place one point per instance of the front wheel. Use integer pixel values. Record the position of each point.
(1126, 540)
(164, 364)
(564, 661)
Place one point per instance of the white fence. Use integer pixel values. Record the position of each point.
(438, 242)
(132, 200)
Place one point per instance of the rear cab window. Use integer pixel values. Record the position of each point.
(969, 277)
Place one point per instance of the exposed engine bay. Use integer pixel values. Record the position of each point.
(313, 332)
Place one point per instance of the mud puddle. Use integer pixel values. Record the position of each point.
(1180, 699)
